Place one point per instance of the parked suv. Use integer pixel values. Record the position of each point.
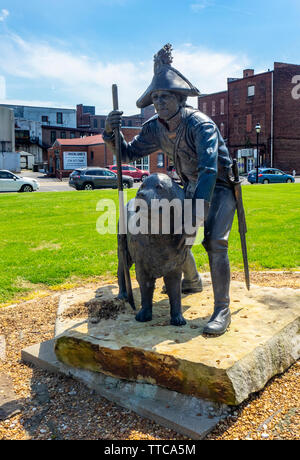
(91, 178)
(10, 182)
(129, 170)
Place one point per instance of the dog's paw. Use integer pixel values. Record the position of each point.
(178, 321)
(143, 316)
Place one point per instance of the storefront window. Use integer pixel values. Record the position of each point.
(142, 163)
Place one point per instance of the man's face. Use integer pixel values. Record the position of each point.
(166, 104)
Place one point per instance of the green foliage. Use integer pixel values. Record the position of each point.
(47, 238)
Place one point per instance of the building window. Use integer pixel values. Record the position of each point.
(204, 108)
(44, 119)
(222, 106)
(222, 129)
(141, 163)
(160, 160)
(236, 96)
(53, 137)
(92, 156)
(59, 118)
(129, 122)
(63, 135)
(102, 123)
(95, 123)
(213, 108)
(251, 91)
(72, 135)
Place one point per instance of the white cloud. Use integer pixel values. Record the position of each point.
(3, 15)
(200, 5)
(87, 80)
(36, 103)
(206, 69)
(73, 77)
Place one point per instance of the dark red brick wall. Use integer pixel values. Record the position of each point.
(245, 112)
(86, 120)
(286, 118)
(46, 134)
(102, 157)
(205, 105)
(83, 119)
(129, 134)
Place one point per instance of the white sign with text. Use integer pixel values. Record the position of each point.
(73, 160)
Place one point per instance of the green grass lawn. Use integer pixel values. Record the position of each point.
(49, 238)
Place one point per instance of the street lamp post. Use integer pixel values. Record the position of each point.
(258, 130)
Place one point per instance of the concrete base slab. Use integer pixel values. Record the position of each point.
(263, 340)
(187, 415)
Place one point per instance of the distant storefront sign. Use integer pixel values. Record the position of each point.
(73, 160)
(244, 153)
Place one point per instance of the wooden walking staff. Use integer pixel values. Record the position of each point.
(122, 222)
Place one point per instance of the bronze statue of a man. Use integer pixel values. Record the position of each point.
(202, 161)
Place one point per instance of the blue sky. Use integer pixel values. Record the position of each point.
(64, 52)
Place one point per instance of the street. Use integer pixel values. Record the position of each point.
(48, 184)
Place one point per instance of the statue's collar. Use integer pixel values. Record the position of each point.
(173, 123)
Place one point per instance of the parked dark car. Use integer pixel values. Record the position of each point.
(93, 178)
(269, 176)
(129, 170)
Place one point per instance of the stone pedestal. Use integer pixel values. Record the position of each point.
(263, 341)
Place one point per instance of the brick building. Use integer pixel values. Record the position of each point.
(51, 133)
(68, 154)
(37, 128)
(156, 162)
(272, 99)
(87, 118)
(216, 106)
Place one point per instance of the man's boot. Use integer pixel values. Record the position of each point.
(191, 282)
(192, 286)
(220, 276)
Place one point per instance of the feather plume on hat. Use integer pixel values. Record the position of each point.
(166, 78)
(163, 57)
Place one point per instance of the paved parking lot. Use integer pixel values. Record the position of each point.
(48, 184)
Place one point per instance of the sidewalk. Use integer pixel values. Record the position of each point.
(41, 176)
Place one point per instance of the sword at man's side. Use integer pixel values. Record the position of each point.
(241, 219)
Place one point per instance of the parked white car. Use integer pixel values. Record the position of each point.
(10, 182)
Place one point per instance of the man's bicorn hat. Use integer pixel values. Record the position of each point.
(166, 78)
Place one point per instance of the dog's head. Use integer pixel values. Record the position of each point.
(160, 200)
